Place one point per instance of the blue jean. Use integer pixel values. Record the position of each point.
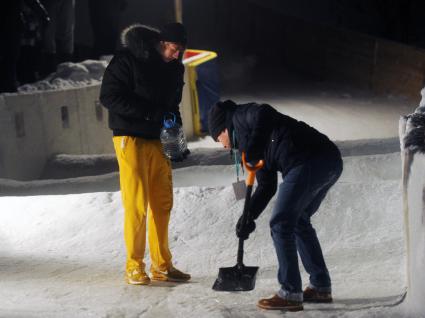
(299, 197)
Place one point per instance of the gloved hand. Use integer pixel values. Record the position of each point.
(243, 231)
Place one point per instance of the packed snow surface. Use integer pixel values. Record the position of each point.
(63, 255)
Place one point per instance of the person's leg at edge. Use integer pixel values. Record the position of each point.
(65, 25)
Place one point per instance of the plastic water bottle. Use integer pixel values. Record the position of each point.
(173, 140)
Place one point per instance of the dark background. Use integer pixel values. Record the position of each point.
(250, 24)
(372, 44)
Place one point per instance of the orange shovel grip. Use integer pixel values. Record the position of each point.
(251, 170)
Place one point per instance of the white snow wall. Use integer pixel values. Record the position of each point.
(416, 232)
(414, 214)
(35, 126)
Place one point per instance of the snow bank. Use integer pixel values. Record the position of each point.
(69, 75)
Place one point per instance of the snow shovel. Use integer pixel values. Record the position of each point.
(240, 277)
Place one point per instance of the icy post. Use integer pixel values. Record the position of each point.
(412, 144)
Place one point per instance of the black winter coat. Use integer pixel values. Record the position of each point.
(281, 141)
(139, 88)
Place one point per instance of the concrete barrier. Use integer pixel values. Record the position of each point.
(38, 125)
(35, 126)
(22, 137)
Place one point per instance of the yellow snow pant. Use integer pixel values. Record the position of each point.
(146, 190)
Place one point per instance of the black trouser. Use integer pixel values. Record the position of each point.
(105, 19)
(10, 34)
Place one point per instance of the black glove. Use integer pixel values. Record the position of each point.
(243, 231)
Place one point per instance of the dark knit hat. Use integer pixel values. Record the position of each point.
(174, 32)
(217, 117)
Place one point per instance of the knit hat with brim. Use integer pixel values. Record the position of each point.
(174, 32)
(217, 117)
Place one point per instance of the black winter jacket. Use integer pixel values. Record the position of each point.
(138, 87)
(281, 141)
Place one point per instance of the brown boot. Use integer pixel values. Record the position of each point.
(278, 303)
(170, 275)
(312, 295)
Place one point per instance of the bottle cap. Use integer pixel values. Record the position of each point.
(170, 122)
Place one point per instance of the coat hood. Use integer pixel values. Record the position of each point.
(139, 39)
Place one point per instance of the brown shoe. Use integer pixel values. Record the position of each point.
(171, 275)
(312, 295)
(278, 303)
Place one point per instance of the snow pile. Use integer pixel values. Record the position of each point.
(64, 255)
(416, 203)
(69, 75)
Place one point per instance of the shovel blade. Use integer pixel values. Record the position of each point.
(236, 278)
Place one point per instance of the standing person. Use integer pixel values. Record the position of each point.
(143, 82)
(31, 43)
(58, 37)
(310, 164)
(12, 27)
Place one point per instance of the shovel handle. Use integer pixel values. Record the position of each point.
(244, 219)
(249, 183)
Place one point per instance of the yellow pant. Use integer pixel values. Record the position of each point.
(146, 190)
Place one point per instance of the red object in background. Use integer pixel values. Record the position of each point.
(189, 54)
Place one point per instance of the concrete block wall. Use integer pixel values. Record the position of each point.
(38, 125)
(22, 137)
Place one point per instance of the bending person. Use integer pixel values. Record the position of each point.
(310, 165)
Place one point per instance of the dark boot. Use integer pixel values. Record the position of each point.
(312, 295)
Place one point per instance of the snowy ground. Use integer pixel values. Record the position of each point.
(63, 255)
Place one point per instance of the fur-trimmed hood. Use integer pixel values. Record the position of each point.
(140, 39)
